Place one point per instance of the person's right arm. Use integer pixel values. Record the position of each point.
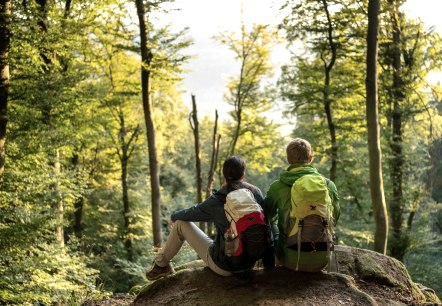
(335, 201)
(270, 211)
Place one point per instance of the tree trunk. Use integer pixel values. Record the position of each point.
(326, 94)
(78, 217)
(78, 204)
(374, 147)
(238, 102)
(44, 26)
(5, 35)
(146, 58)
(213, 163)
(399, 245)
(199, 180)
(60, 205)
(213, 158)
(126, 207)
(124, 159)
(67, 8)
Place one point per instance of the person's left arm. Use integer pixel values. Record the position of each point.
(198, 212)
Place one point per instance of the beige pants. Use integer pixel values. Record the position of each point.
(197, 239)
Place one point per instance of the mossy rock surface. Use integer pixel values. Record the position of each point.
(359, 277)
(200, 286)
(379, 275)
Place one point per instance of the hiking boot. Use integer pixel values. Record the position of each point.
(158, 272)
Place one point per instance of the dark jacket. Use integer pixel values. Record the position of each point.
(212, 210)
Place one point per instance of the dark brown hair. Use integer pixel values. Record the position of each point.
(234, 169)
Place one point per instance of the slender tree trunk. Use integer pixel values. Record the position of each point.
(60, 205)
(124, 153)
(44, 26)
(213, 158)
(193, 119)
(238, 101)
(210, 230)
(67, 8)
(212, 169)
(146, 58)
(78, 204)
(374, 147)
(124, 159)
(5, 35)
(126, 207)
(326, 94)
(398, 246)
(236, 132)
(78, 217)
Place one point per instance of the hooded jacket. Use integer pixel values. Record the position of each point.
(212, 210)
(277, 205)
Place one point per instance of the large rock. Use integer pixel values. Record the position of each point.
(360, 277)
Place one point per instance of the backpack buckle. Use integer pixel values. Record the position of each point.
(301, 223)
(313, 247)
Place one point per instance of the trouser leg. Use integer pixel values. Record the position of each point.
(197, 239)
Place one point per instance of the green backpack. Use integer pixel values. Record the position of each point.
(311, 211)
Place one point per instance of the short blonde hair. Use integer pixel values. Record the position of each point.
(299, 151)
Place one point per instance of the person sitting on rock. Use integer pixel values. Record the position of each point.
(314, 232)
(211, 210)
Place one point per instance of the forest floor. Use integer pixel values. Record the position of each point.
(118, 300)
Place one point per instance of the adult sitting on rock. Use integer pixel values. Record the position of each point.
(211, 210)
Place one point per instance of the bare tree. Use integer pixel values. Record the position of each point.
(194, 124)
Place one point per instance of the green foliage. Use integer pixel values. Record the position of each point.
(73, 81)
(250, 134)
(34, 269)
(423, 258)
(302, 87)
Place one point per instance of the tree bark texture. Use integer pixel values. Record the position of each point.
(5, 37)
(146, 58)
(398, 246)
(326, 94)
(374, 147)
